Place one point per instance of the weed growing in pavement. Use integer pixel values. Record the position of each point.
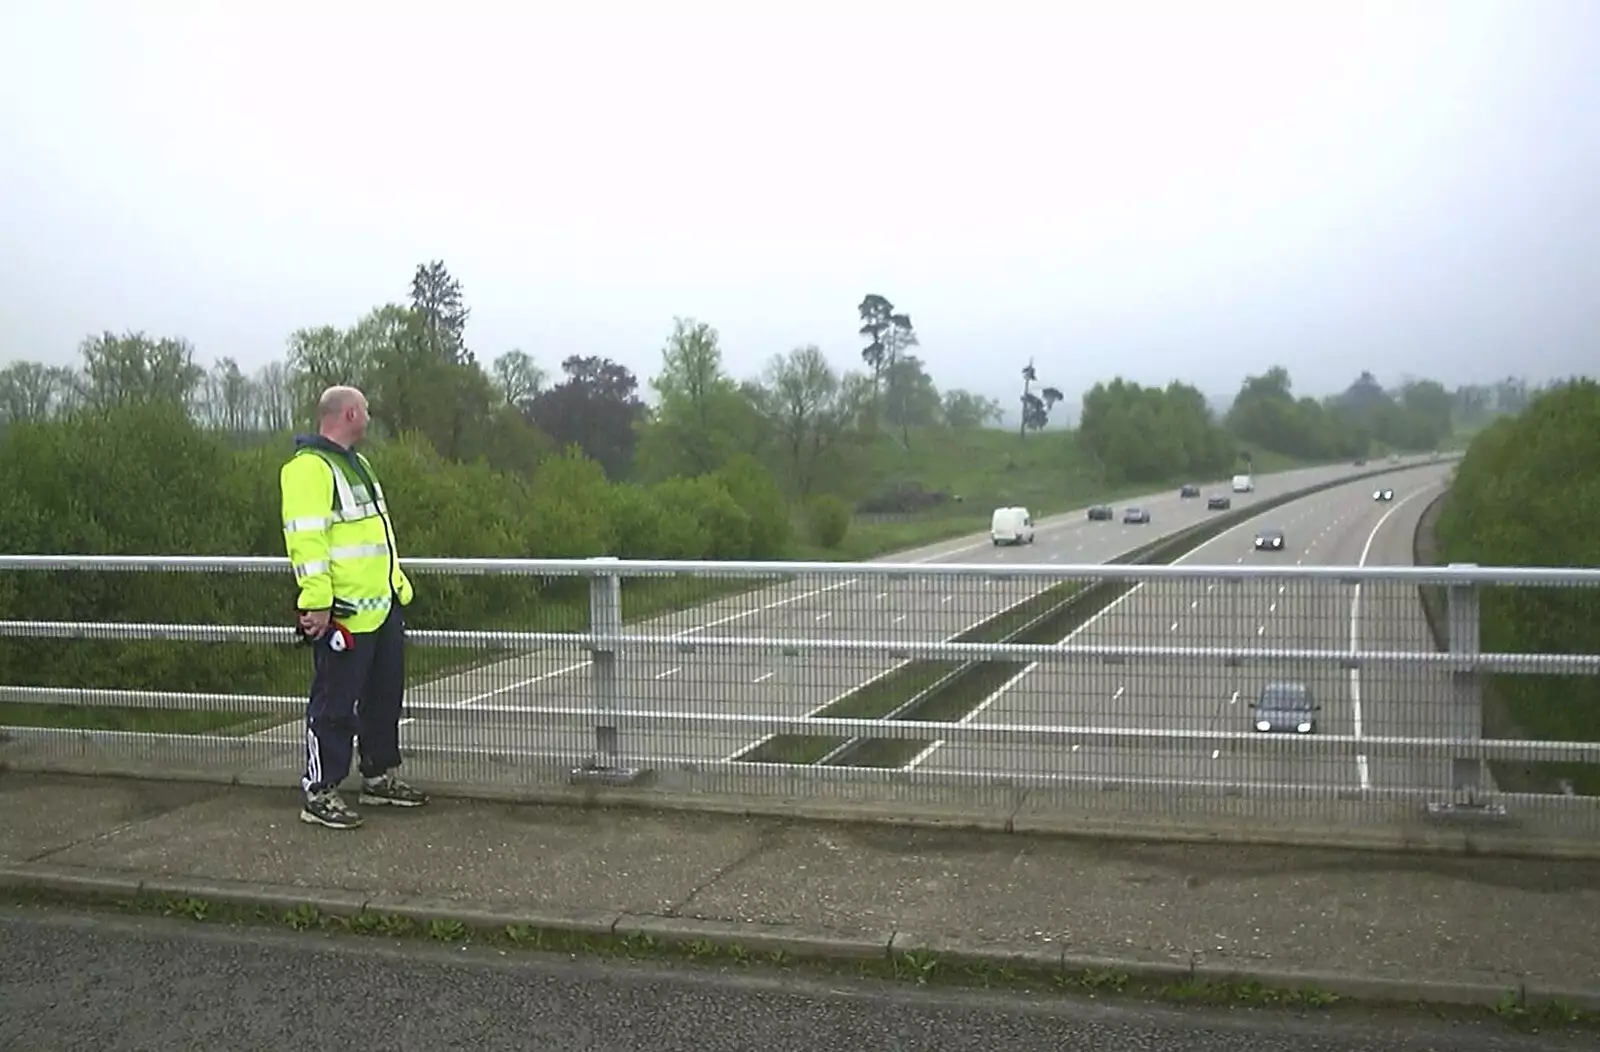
(918, 967)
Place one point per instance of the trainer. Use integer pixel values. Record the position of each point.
(351, 592)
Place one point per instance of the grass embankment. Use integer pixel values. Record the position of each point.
(986, 468)
(1510, 709)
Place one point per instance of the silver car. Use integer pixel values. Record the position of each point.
(1285, 708)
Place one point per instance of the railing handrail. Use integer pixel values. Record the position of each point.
(1456, 573)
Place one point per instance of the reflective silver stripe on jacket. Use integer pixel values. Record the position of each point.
(357, 551)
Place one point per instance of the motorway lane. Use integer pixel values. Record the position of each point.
(824, 605)
(1332, 528)
(121, 984)
(817, 606)
(1400, 701)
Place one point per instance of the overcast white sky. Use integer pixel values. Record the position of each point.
(1156, 189)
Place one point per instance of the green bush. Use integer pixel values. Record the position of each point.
(1522, 496)
(755, 490)
(145, 480)
(828, 519)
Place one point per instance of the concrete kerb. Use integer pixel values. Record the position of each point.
(921, 953)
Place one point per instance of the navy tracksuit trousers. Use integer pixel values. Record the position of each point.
(355, 694)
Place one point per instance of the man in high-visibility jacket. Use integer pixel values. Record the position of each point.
(341, 543)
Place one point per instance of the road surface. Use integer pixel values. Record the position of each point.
(815, 606)
(1343, 526)
(117, 984)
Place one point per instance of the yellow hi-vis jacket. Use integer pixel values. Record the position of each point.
(339, 537)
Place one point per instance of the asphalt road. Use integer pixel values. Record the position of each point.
(816, 606)
(118, 984)
(1343, 526)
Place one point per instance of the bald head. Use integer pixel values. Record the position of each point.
(342, 415)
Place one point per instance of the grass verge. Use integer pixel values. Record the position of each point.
(916, 967)
(1503, 716)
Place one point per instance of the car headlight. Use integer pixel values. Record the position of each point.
(1263, 725)
(1304, 728)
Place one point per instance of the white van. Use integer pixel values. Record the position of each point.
(1243, 484)
(1011, 526)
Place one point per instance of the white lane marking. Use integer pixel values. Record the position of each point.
(1272, 609)
(881, 595)
(824, 615)
(1118, 694)
(897, 620)
(946, 599)
(669, 672)
(1355, 631)
(1172, 627)
(763, 677)
(1234, 700)
(1261, 630)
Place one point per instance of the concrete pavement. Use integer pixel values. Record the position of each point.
(1341, 526)
(1385, 925)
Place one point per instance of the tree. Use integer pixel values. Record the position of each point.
(437, 299)
(889, 334)
(31, 392)
(805, 399)
(135, 369)
(595, 408)
(1146, 434)
(517, 377)
(964, 410)
(1035, 407)
(703, 418)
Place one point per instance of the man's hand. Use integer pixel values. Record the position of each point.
(314, 623)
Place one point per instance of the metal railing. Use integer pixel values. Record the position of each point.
(1121, 698)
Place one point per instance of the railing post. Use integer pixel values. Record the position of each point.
(605, 621)
(1467, 774)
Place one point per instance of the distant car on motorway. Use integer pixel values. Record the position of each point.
(1189, 490)
(1101, 513)
(1269, 540)
(1138, 516)
(1219, 503)
(1383, 494)
(1285, 708)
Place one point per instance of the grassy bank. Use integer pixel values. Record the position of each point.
(984, 469)
(1515, 706)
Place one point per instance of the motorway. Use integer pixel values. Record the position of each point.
(813, 606)
(119, 984)
(1343, 526)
